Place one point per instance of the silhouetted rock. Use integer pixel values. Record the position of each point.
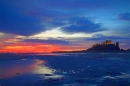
(82, 51)
(128, 50)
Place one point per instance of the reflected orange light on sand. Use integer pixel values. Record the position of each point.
(12, 70)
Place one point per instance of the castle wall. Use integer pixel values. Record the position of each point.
(106, 46)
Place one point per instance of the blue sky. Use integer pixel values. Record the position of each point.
(65, 22)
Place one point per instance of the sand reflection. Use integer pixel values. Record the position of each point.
(10, 69)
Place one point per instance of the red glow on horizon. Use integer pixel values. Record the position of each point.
(36, 48)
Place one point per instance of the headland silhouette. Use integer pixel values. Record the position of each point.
(106, 46)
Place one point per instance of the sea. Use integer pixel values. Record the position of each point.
(65, 69)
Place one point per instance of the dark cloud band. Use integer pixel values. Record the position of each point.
(48, 41)
(82, 25)
(124, 16)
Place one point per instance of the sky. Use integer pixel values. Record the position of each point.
(62, 25)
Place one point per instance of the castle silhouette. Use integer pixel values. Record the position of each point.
(105, 46)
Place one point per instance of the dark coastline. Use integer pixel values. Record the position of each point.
(87, 51)
(105, 47)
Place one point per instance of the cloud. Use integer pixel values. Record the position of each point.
(124, 16)
(82, 25)
(13, 22)
(48, 41)
(58, 23)
(32, 17)
(29, 19)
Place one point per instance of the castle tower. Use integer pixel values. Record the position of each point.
(108, 42)
(117, 44)
(114, 44)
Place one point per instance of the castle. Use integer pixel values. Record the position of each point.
(105, 46)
